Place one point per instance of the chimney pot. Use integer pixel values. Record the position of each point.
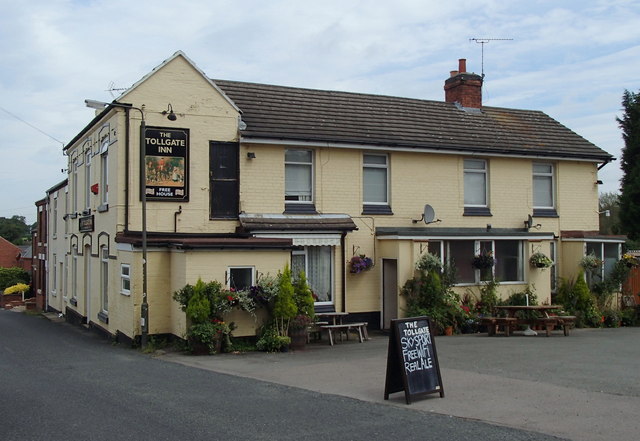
(462, 65)
(454, 73)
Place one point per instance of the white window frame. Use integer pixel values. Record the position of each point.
(54, 275)
(312, 177)
(104, 174)
(75, 185)
(87, 179)
(74, 274)
(484, 171)
(477, 246)
(125, 277)
(230, 269)
(375, 166)
(104, 278)
(54, 215)
(304, 252)
(547, 175)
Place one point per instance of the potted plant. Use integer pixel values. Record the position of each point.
(540, 260)
(298, 329)
(360, 263)
(484, 260)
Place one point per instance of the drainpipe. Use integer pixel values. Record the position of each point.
(344, 271)
(126, 172)
(175, 218)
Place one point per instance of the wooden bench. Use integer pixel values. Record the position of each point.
(315, 331)
(567, 322)
(360, 328)
(494, 323)
(547, 323)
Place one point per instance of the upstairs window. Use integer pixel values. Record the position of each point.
(543, 189)
(104, 174)
(375, 184)
(298, 176)
(475, 187)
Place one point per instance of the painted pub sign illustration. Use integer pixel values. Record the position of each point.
(166, 164)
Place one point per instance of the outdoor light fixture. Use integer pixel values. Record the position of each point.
(251, 155)
(169, 112)
(144, 307)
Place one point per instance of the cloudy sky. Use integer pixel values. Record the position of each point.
(571, 59)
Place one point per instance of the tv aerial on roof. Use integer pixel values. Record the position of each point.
(484, 41)
(428, 216)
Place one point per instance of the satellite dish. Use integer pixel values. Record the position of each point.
(428, 214)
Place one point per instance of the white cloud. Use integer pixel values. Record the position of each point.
(569, 59)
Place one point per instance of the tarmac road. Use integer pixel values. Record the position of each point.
(60, 382)
(582, 387)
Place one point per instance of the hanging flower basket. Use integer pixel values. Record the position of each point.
(540, 260)
(483, 261)
(590, 262)
(360, 263)
(630, 260)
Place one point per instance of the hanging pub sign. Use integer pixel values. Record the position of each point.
(166, 164)
(412, 362)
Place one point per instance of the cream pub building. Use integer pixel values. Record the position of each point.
(240, 179)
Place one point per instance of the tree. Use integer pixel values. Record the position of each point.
(630, 165)
(15, 230)
(609, 208)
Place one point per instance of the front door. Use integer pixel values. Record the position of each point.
(389, 292)
(87, 282)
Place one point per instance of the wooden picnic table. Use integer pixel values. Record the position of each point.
(547, 321)
(337, 325)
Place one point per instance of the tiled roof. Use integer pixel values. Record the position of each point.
(296, 114)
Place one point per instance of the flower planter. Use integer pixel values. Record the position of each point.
(298, 339)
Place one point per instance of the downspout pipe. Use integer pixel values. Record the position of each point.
(127, 137)
(344, 271)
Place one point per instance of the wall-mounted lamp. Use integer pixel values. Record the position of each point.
(251, 155)
(169, 112)
(598, 182)
(607, 213)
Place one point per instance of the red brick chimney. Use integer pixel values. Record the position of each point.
(463, 87)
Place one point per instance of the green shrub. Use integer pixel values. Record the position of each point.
(284, 308)
(270, 340)
(199, 308)
(302, 296)
(13, 276)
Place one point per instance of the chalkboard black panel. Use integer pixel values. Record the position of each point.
(412, 361)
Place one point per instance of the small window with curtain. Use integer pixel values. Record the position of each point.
(298, 180)
(476, 199)
(543, 190)
(375, 184)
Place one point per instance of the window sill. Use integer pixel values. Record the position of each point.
(300, 209)
(127, 294)
(103, 317)
(103, 208)
(376, 209)
(73, 301)
(477, 211)
(545, 212)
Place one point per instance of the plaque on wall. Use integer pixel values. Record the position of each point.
(86, 224)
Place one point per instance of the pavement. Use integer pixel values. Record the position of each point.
(582, 387)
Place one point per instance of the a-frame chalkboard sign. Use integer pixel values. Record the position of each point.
(412, 361)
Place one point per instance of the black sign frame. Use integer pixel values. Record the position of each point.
(86, 224)
(419, 373)
(166, 164)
